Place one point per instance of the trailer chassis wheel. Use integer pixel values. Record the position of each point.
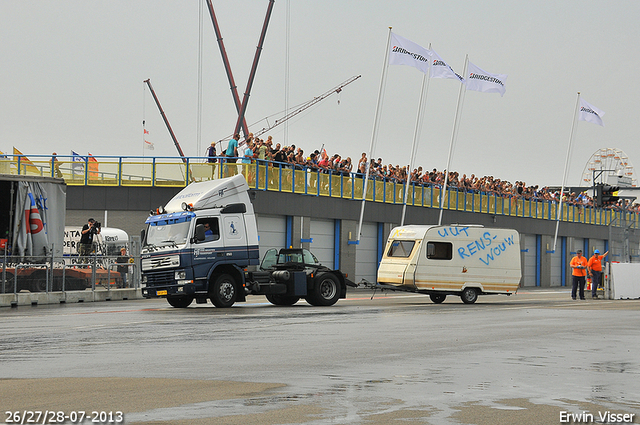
(223, 293)
(325, 292)
(282, 299)
(182, 301)
(469, 295)
(437, 298)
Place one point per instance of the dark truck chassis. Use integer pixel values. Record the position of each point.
(282, 284)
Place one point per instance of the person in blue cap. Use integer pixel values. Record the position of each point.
(594, 268)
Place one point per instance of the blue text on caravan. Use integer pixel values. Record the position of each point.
(486, 248)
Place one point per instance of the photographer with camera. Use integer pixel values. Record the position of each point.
(85, 247)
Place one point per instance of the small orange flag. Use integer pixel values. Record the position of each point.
(25, 164)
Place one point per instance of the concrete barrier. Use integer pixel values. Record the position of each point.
(23, 298)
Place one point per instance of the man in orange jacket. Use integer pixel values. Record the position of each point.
(594, 267)
(579, 272)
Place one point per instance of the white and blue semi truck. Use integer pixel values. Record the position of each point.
(204, 245)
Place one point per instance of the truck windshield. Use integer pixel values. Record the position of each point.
(163, 234)
(296, 256)
(169, 229)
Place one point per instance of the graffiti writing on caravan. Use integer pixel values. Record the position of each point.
(453, 231)
(486, 248)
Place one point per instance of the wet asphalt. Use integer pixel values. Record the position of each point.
(525, 358)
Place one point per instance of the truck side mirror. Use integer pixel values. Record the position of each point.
(142, 235)
(199, 233)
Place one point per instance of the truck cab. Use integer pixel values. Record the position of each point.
(198, 245)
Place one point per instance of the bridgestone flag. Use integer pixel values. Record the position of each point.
(406, 52)
(590, 113)
(483, 81)
(440, 69)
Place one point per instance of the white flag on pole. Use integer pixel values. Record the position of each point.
(483, 81)
(440, 69)
(148, 145)
(590, 113)
(406, 52)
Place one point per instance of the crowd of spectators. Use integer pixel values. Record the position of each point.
(256, 149)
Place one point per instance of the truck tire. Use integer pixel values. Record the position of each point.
(469, 295)
(223, 293)
(437, 298)
(282, 299)
(325, 291)
(182, 301)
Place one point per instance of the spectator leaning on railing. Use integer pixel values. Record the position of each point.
(292, 157)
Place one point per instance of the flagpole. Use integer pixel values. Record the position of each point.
(424, 90)
(374, 132)
(566, 169)
(144, 119)
(454, 135)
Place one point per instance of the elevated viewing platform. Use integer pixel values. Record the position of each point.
(177, 172)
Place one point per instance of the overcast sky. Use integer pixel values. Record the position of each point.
(72, 71)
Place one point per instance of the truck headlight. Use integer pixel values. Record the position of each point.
(180, 275)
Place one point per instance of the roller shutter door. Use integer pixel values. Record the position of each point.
(576, 244)
(530, 260)
(367, 253)
(322, 234)
(595, 244)
(272, 230)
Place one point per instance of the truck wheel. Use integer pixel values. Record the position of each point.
(469, 295)
(437, 298)
(223, 293)
(183, 301)
(282, 299)
(325, 292)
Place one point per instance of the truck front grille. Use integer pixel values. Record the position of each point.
(162, 278)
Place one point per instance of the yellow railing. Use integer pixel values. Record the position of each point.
(262, 175)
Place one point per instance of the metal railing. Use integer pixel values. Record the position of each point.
(41, 274)
(283, 177)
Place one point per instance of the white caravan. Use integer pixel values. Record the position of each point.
(463, 260)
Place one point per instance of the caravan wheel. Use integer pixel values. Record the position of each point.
(437, 298)
(469, 295)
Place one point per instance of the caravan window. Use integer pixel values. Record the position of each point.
(401, 249)
(439, 250)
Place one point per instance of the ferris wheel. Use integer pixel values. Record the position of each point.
(614, 161)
